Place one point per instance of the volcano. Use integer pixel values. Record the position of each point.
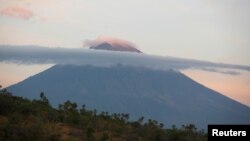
(167, 96)
(115, 47)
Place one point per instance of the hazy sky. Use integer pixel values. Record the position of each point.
(211, 30)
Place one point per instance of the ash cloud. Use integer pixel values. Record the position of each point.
(80, 56)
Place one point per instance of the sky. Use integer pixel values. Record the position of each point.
(210, 30)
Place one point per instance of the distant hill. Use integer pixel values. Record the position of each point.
(167, 96)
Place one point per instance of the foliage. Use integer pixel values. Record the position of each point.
(23, 119)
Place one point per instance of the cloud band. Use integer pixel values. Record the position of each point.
(80, 56)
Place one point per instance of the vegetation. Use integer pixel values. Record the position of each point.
(28, 120)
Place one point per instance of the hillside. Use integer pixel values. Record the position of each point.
(23, 119)
(165, 95)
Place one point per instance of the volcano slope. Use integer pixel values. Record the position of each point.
(167, 96)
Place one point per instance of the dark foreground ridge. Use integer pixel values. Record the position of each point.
(29, 120)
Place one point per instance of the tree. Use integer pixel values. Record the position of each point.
(174, 127)
(140, 120)
(4, 91)
(161, 125)
(69, 106)
(189, 127)
(44, 99)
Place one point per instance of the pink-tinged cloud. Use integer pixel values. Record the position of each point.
(110, 43)
(17, 12)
